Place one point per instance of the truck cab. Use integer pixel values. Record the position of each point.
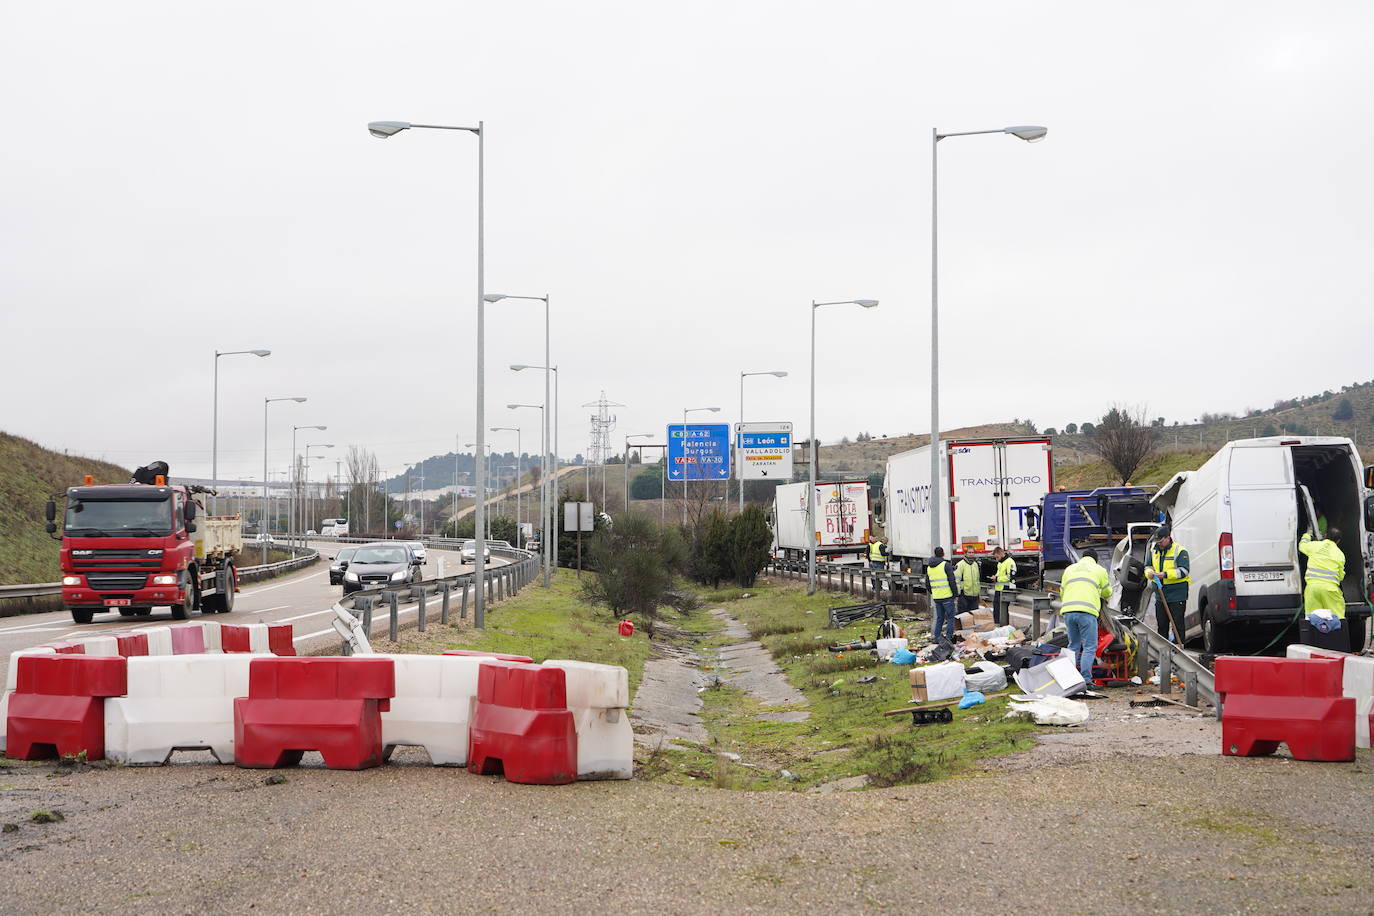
(132, 547)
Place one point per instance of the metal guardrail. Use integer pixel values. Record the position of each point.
(304, 557)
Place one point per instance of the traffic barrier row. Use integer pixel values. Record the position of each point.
(1293, 701)
(182, 639)
(1357, 682)
(546, 724)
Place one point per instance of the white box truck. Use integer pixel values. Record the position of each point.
(842, 521)
(988, 496)
(1240, 517)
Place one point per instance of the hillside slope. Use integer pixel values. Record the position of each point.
(29, 475)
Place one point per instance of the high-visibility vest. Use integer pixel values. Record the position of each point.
(1083, 586)
(966, 571)
(939, 580)
(875, 551)
(1166, 565)
(1006, 568)
(1325, 561)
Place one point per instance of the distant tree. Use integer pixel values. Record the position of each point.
(502, 528)
(1086, 429)
(1070, 429)
(1051, 431)
(647, 485)
(1123, 440)
(750, 542)
(1157, 422)
(844, 440)
(875, 483)
(1344, 410)
(637, 561)
(710, 555)
(1269, 430)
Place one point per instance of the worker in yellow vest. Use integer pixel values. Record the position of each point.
(1169, 566)
(1004, 581)
(940, 588)
(1322, 599)
(877, 554)
(966, 573)
(1081, 591)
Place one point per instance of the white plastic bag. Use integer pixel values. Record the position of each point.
(1048, 710)
(985, 677)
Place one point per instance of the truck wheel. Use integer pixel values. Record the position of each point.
(142, 611)
(188, 600)
(1215, 638)
(128, 611)
(228, 587)
(82, 614)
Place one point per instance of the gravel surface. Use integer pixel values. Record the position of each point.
(1109, 833)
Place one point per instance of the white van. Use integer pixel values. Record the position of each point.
(1240, 517)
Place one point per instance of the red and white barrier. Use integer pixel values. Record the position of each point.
(599, 697)
(176, 702)
(1357, 682)
(11, 680)
(432, 706)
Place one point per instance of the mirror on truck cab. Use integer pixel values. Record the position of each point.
(50, 510)
(190, 510)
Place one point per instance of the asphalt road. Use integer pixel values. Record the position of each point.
(305, 599)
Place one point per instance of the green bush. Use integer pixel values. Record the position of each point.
(751, 542)
(502, 528)
(637, 561)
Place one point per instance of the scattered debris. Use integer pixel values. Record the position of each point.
(1048, 710)
(9, 828)
(276, 779)
(47, 817)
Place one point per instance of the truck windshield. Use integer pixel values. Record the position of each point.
(120, 518)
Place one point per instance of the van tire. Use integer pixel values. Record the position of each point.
(1216, 639)
(1358, 627)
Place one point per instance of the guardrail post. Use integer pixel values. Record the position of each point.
(1166, 671)
(489, 584)
(443, 605)
(367, 615)
(420, 613)
(1190, 687)
(463, 614)
(395, 616)
(1142, 657)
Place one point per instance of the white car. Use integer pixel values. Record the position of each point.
(417, 550)
(264, 538)
(469, 552)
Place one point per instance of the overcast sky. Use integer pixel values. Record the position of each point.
(1194, 233)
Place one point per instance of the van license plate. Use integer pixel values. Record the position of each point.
(116, 602)
(1268, 576)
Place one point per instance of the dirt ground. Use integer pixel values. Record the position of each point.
(1095, 818)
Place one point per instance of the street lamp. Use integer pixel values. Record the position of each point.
(1030, 134)
(292, 507)
(815, 452)
(306, 491)
(386, 129)
(263, 527)
(550, 469)
(214, 423)
(739, 467)
(627, 464)
(546, 495)
(519, 456)
(685, 464)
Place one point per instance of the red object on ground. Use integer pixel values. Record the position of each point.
(1294, 701)
(280, 639)
(188, 640)
(330, 705)
(501, 656)
(131, 644)
(235, 637)
(66, 648)
(58, 706)
(627, 628)
(521, 725)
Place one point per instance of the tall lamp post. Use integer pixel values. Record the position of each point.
(1030, 134)
(627, 464)
(384, 129)
(306, 513)
(551, 470)
(545, 498)
(214, 427)
(739, 467)
(293, 509)
(264, 525)
(519, 456)
(685, 465)
(815, 452)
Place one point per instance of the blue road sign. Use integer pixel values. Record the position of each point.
(702, 450)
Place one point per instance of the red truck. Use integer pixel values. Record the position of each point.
(131, 547)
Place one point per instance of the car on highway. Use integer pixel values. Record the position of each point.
(377, 564)
(310, 532)
(417, 549)
(469, 552)
(340, 565)
(264, 538)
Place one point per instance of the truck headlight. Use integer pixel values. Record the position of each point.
(398, 575)
(71, 580)
(351, 576)
(164, 580)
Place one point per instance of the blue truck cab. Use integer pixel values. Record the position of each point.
(1073, 521)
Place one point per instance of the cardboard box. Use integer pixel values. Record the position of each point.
(1057, 678)
(975, 620)
(931, 683)
(964, 621)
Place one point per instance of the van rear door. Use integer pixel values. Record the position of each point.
(1264, 524)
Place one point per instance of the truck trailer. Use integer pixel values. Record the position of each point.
(988, 496)
(132, 547)
(842, 522)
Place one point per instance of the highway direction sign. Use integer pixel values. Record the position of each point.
(702, 450)
(763, 451)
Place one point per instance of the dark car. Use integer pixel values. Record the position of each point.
(382, 563)
(336, 569)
